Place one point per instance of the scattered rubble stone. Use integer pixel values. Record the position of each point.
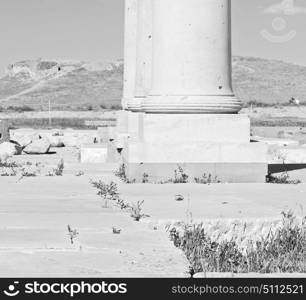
(41, 146)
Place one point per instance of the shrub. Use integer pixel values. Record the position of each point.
(207, 179)
(136, 209)
(46, 65)
(281, 251)
(145, 178)
(58, 171)
(180, 176)
(108, 192)
(20, 109)
(121, 173)
(8, 168)
(28, 173)
(284, 178)
(80, 173)
(116, 107)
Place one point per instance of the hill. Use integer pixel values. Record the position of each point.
(66, 84)
(75, 85)
(268, 82)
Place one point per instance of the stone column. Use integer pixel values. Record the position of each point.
(130, 24)
(191, 58)
(143, 54)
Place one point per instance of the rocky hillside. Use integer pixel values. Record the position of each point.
(74, 85)
(66, 84)
(268, 82)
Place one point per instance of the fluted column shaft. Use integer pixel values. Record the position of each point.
(130, 27)
(191, 67)
(143, 54)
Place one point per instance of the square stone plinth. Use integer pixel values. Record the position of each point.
(129, 123)
(94, 153)
(228, 162)
(218, 145)
(193, 128)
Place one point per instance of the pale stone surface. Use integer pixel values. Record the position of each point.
(129, 125)
(176, 152)
(100, 153)
(289, 155)
(189, 90)
(77, 140)
(94, 153)
(130, 20)
(70, 137)
(202, 143)
(25, 138)
(191, 58)
(23, 141)
(275, 141)
(135, 121)
(112, 152)
(40, 146)
(228, 161)
(224, 172)
(56, 141)
(36, 222)
(122, 121)
(105, 134)
(34, 228)
(8, 149)
(194, 128)
(143, 54)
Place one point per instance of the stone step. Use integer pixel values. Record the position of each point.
(88, 240)
(59, 221)
(105, 263)
(91, 168)
(69, 166)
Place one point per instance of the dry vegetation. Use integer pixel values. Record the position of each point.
(281, 251)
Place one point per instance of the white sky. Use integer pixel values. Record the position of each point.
(93, 29)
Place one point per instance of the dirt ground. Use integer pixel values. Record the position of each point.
(35, 212)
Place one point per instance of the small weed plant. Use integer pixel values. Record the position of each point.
(72, 234)
(206, 179)
(58, 171)
(121, 173)
(180, 176)
(109, 193)
(8, 168)
(284, 178)
(145, 178)
(136, 211)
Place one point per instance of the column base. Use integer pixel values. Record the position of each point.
(135, 104)
(197, 104)
(198, 172)
(194, 128)
(228, 162)
(201, 144)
